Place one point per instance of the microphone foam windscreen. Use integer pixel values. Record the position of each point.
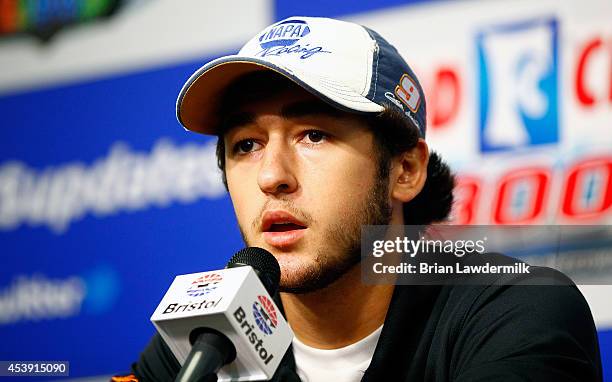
(263, 262)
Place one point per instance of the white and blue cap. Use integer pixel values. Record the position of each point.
(345, 64)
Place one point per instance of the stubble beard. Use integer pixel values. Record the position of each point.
(342, 243)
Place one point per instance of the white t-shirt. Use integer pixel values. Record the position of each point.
(346, 364)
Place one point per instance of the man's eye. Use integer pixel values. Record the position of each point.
(246, 146)
(315, 136)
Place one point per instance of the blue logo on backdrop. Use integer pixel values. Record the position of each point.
(284, 34)
(518, 85)
(37, 297)
(103, 288)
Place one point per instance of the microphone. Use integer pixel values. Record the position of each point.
(224, 323)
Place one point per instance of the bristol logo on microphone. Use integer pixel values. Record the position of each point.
(518, 85)
(204, 284)
(265, 314)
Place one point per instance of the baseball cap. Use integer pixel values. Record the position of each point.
(345, 64)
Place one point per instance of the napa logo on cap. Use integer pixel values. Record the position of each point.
(265, 314)
(204, 284)
(284, 34)
(283, 39)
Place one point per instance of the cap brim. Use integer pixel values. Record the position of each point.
(197, 103)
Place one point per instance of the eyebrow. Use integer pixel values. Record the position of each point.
(293, 110)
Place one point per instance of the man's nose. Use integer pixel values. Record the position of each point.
(277, 171)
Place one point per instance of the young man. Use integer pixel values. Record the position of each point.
(321, 128)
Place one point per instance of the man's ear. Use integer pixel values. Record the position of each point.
(409, 172)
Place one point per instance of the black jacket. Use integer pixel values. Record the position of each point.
(510, 332)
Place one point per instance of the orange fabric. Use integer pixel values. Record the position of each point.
(124, 378)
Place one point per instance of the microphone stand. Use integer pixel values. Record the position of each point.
(210, 351)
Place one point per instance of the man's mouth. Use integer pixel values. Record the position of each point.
(284, 227)
(281, 229)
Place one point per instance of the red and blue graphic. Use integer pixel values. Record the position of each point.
(588, 192)
(265, 314)
(45, 18)
(204, 284)
(518, 85)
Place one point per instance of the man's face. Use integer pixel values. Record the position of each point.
(303, 178)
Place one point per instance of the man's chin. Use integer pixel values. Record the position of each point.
(298, 275)
(306, 278)
(305, 269)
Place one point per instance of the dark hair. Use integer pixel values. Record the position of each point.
(393, 135)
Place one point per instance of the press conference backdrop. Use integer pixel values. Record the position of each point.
(104, 197)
